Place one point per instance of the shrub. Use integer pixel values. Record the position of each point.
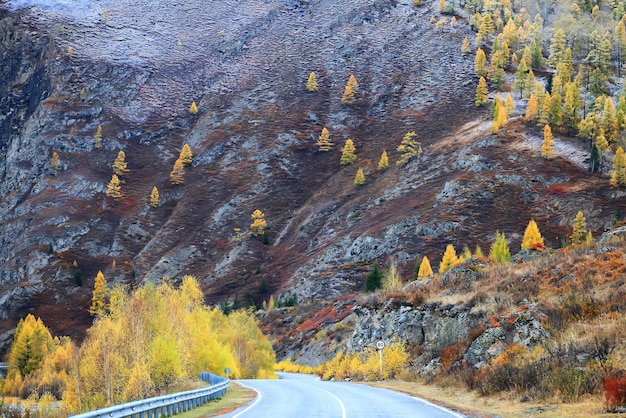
(614, 387)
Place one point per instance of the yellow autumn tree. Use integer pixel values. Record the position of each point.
(480, 97)
(177, 175)
(99, 296)
(97, 138)
(409, 148)
(193, 109)
(547, 145)
(55, 163)
(119, 165)
(359, 178)
(323, 141)
(580, 235)
(532, 237)
(258, 224)
(348, 153)
(449, 259)
(383, 163)
(531, 108)
(499, 250)
(465, 46)
(618, 174)
(186, 155)
(425, 268)
(114, 189)
(155, 200)
(311, 84)
(350, 90)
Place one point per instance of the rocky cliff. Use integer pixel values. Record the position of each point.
(134, 69)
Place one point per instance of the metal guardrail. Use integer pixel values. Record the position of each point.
(166, 405)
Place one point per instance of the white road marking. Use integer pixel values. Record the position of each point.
(343, 408)
(256, 401)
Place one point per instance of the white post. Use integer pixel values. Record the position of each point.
(380, 355)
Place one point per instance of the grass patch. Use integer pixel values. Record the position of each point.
(503, 404)
(236, 396)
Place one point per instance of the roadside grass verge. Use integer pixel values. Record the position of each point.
(236, 396)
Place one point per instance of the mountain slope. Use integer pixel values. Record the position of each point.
(246, 64)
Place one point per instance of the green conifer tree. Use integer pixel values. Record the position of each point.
(499, 251)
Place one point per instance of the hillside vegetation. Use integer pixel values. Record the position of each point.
(277, 151)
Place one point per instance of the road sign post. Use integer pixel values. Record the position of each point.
(380, 345)
(227, 371)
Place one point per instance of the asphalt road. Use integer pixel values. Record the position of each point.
(304, 396)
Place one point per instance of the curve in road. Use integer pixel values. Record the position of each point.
(304, 396)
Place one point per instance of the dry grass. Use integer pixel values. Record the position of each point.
(504, 405)
(236, 396)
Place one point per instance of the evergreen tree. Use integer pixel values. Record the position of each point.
(509, 105)
(185, 155)
(531, 108)
(154, 198)
(177, 175)
(119, 165)
(495, 72)
(97, 138)
(409, 148)
(193, 109)
(618, 174)
(348, 153)
(311, 84)
(449, 259)
(481, 92)
(99, 296)
(571, 106)
(579, 230)
(350, 90)
(425, 268)
(532, 237)
(374, 279)
(601, 142)
(595, 159)
(478, 252)
(323, 141)
(556, 109)
(609, 121)
(467, 253)
(359, 179)
(258, 224)
(499, 251)
(114, 189)
(480, 63)
(383, 163)
(547, 146)
(465, 47)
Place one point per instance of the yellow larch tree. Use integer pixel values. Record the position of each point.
(425, 268)
(547, 145)
(499, 250)
(580, 235)
(258, 224)
(155, 200)
(531, 108)
(350, 90)
(177, 175)
(193, 109)
(99, 296)
(323, 141)
(481, 92)
(186, 156)
(532, 237)
(114, 189)
(311, 84)
(55, 163)
(409, 148)
(449, 259)
(348, 153)
(618, 174)
(97, 138)
(119, 165)
(383, 163)
(359, 178)
(465, 46)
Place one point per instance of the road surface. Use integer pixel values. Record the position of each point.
(305, 396)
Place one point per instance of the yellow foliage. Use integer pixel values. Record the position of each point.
(449, 259)
(532, 236)
(350, 90)
(193, 109)
(383, 163)
(97, 138)
(348, 153)
(177, 176)
(119, 165)
(154, 198)
(114, 189)
(323, 142)
(289, 367)
(425, 268)
(366, 364)
(359, 178)
(258, 223)
(311, 84)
